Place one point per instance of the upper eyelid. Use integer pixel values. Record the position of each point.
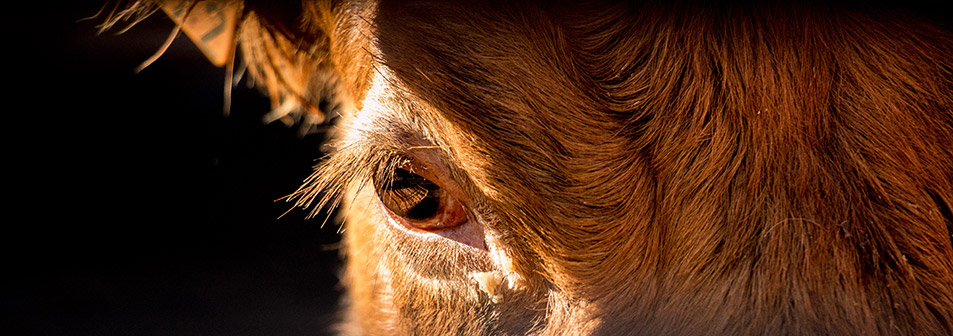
(406, 136)
(369, 149)
(439, 170)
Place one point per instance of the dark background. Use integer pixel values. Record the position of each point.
(137, 207)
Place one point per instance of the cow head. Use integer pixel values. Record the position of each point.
(550, 168)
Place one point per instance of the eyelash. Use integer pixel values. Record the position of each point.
(347, 165)
(355, 167)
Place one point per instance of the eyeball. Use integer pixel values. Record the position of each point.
(419, 203)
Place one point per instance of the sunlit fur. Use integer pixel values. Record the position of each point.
(647, 169)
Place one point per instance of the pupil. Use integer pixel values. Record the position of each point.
(411, 196)
(427, 207)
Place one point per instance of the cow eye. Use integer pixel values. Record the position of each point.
(420, 203)
(411, 196)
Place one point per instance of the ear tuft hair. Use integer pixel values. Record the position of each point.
(295, 73)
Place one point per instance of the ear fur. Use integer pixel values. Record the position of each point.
(311, 71)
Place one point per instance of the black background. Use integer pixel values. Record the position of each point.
(134, 206)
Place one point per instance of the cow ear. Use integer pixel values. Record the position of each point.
(210, 24)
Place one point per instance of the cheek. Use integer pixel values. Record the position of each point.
(397, 280)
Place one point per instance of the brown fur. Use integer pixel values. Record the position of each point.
(637, 169)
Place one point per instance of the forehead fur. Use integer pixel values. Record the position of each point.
(503, 75)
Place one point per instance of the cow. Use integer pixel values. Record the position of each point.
(617, 168)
